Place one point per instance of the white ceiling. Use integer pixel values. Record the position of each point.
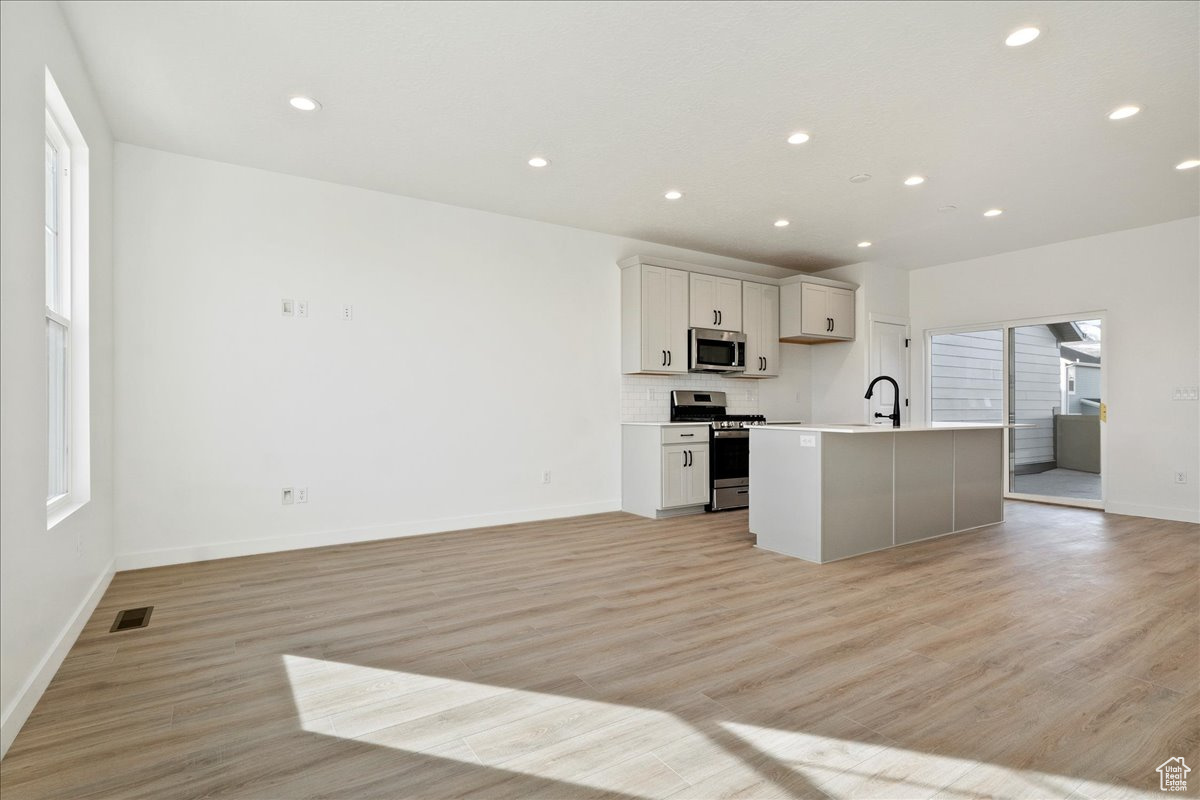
(447, 101)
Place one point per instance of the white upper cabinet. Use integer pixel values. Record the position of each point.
(760, 321)
(654, 319)
(811, 313)
(715, 302)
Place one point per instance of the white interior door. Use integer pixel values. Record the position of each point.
(889, 356)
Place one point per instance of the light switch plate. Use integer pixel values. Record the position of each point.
(288, 307)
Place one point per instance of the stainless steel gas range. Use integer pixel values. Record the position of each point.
(729, 445)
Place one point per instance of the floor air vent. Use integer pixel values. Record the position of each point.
(132, 618)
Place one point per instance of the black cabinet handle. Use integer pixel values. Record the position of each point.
(668, 358)
(686, 435)
(720, 316)
(664, 357)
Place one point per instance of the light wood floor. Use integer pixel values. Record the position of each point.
(1056, 655)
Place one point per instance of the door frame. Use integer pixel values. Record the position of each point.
(1005, 326)
(889, 319)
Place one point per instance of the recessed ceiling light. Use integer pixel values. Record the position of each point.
(781, 223)
(914, 180)
(1191, 163)
(947, 208)
(673, 195)
(861, 177)
(1022, 36)
(799, 137)
(538, 161)
(302, 103)
(993, 212)
(864, 244)
(1124, 112)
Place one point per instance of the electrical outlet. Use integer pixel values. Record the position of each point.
(288, 497)
(288, 307)
(545, 476)
(347, 312)
(1181, 477)
(302, 495)
(301, 308)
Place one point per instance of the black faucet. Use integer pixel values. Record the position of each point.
(895, 415)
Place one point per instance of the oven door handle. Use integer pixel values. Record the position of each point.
(737, 433)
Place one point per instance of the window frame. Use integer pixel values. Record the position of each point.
(58, 310)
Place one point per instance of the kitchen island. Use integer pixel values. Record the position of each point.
(825, 492)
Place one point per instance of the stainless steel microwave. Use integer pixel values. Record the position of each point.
(716, 351)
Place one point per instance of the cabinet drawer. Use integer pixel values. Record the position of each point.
(678, 434)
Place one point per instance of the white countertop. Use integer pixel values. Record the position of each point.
(859, 428)
(665, 424)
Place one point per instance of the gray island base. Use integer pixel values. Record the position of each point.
(826, 492)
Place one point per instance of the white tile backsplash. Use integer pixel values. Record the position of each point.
(647, 398)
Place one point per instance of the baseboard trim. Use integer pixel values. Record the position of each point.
(23, 704)
(250, 547)
(1154, 512)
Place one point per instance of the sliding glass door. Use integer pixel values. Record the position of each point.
(1046, 374)
(1054, 376)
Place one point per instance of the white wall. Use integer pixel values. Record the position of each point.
(484, 349)
(49, 580)
(1147, 280)
(788, 398)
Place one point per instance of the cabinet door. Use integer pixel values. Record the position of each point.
(841, 310)
(677, 327)
(752, 308)
(768, 330)
(675, 476)
(664, 324)
(703, 302)
(729, 304)
(814, 309)
(697, 475)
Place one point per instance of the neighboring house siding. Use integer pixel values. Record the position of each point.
(967, 384)
(1087, 385)
(1038, 389)
(967, 377)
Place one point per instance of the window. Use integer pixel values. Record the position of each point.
(58, 308)
(967, 376)
(68, 484)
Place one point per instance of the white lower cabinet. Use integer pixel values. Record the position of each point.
(664, 469)
(684, 475)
